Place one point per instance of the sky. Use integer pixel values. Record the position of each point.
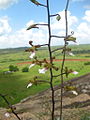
(17, 15)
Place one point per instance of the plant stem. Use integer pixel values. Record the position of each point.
(64, 55)
(51, 61)
(10, 106)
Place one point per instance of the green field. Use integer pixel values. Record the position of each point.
(14, 84)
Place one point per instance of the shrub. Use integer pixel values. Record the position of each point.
(87, 63)
(13, 68)
(25, 69)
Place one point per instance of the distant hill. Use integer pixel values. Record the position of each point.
(12, 50)
(78, 49)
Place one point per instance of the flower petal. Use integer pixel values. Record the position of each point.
(43, 70)
(74, 92)
(29, 85)
(71, 54)
(75, 72)
(7, 114)
(31, 66)
(32, 55)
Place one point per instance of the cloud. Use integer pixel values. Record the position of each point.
(87, 6)
(87, 16)
(20, 38)
(4, 26)
(59, 26)
(83, 29)
(6, 3)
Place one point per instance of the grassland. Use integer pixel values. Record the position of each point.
(14, 84)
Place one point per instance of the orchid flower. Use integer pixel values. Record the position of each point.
(29, 85)
(74, 92)
(32, 54)
(7, 114)
(31, 65)
(75, 72)
(43, 70)
(71, 54)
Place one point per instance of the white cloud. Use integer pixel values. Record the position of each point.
(87, 16)
(22, 37)
(4, 26)
(6, 3)
(83, 33)
(60, 25)
(40, 36)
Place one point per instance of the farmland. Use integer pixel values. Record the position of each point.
(14, 84)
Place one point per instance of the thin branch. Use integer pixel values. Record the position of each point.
(51, 61)
(59, 75)
(43, 5)
(43, 24)
(58, 36)
(44, 45)
(54, 15)
(57, 49)
(64, 53)
(43, 81)
(10, 106)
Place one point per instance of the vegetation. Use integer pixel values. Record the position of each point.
(54, 74)
(25, 69)
(15, 84)
(13, 68)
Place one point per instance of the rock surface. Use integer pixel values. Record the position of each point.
(38, 107)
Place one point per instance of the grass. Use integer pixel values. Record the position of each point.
(86, 116)
(14, 84)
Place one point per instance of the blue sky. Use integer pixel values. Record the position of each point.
(17, 15)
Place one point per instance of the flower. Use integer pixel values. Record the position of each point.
(31, 65)
(71, 54)
(43, 70)
(29, 85)
(74, 92)
(75, 72)
(7, 114)
(32, 54)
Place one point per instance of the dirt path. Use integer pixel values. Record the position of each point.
(57, 60)
(35, 107)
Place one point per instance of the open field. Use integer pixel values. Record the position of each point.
(14, 84)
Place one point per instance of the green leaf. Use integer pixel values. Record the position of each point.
(32, 26)
(58, 17)
(35, 2)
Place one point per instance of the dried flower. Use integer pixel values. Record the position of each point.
(43, 70)
(35, 2)
(69, 38)
(29, 85)
(32, 54)
(58, 17)
(32, 26)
